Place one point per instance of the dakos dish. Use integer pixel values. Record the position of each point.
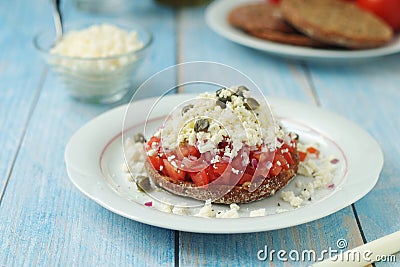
(225, 147)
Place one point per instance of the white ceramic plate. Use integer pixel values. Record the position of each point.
(94, 158)
(216, 18)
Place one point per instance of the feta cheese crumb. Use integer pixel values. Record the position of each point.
(170, 158)
(180, 211)
(97, 41)
(231, 213)
(166, 208)
(280, 210)
(293, 200)
(206, 211)
(257, 213)
(235, 171)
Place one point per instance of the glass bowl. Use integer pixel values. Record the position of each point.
(97, 79)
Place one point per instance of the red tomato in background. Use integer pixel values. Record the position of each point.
(388, 10)
(275, 2)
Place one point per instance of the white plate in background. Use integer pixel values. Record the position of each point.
(216, 18)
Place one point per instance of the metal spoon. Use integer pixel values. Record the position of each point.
(57, 19)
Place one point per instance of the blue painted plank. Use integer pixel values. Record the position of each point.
(243, 249)
(44, 219)
(19, 81)
(277, 77)
(369, 94)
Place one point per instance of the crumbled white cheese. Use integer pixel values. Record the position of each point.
(166, 208)
(321, 169)
(289, 197)
(97, 41)
(257, 213)
(206, 211)
(151, 152)
(215, 159)
(235, 121)
(231, 213)
(135, 158)
(180, 211)
(235, 171)
(170, 158)
(173, 163)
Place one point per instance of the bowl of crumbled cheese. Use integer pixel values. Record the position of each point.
(96, 62)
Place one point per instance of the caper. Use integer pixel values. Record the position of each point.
(139, 138)
(224, 99)
(241, 89)
(143, 183)
(186, 108)
(251, 104)
(201, 125)
(220, 90)
(221, 104)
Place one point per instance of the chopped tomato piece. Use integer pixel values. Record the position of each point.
(288, 158)
(199, 178)
(302, 156)
(173, 173)
(219, 168)
(313, 150)
(245, 178)
(275, 170)
(152, 140)
(288, 147)
(256, 155)
(157, 162)
(250, 170)
(210, 173)
(188, 150)
(281, 159)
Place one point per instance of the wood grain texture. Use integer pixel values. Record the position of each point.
(19, 83)
(276, 77)
(273, 75)
(242, 249)
(45, 220)
(369, 95)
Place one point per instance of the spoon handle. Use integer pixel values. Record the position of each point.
(57, 18)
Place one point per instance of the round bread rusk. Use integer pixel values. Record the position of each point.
(265, 21)
(337, 22)
(286, 38)
(259, 17)
(236, 194)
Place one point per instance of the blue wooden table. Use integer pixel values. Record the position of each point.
(46, 221)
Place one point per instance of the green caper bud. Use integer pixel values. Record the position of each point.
(139, 138)
(143, 183)
(243, 88)
(220, 90)
(221, 104)
(186, 108)
(251, 104)
(240, 90)
(201, 125)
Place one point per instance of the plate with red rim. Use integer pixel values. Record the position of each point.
(94, 159)
(216, 18)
